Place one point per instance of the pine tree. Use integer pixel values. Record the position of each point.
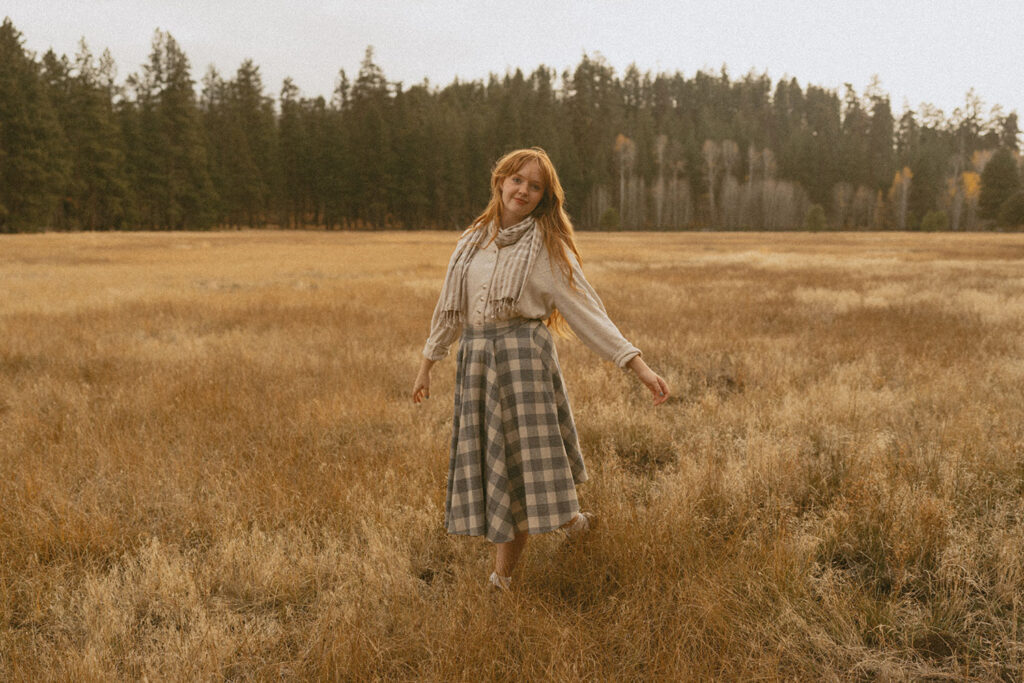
(167, 150)
(881, 135)
(593, 116)
(241, 146)
(96, 196)
(292, 140)
(370, 138)
(1009, 133)
(35, 167)
(999, 180)
(856, 138)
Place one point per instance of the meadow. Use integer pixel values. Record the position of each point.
(211, 469)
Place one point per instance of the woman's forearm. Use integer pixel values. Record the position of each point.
(637, 364)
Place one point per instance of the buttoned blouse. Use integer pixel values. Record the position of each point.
(546, 288)
(478, 282)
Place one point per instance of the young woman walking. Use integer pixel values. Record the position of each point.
(515, 459)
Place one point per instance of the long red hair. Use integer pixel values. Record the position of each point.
(550, 214)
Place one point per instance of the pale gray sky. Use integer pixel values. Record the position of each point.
(922, 50)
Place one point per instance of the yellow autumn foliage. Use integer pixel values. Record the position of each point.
(900, 182)
(972, 184)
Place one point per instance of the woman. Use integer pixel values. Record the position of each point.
(515, 460)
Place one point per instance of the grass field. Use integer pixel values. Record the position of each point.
(210, 467)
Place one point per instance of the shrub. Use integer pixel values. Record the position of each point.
(609, 219)
(999, 181)
(935, 220)
(815, 218)
(1011, 212)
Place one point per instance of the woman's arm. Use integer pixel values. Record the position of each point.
(653, 381)
(421, 388)
(583, 310)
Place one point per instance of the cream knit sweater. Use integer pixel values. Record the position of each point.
(546, 289)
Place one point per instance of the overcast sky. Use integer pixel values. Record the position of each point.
(922, 50)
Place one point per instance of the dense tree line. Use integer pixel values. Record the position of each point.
(159, 151)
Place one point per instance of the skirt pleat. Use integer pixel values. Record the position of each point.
(515, 456)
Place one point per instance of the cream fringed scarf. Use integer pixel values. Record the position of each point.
(520, 242)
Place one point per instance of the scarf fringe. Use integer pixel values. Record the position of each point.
(508, 280)
(503, 309)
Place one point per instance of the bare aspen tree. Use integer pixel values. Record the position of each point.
(625, 151)
(712, 154)
(730, 155)
(899, 195)
(784, 204)
(863, 213)
(757, 196)
(660, 143)
(729, 200)
(768, 164)
(774, 200)
(658, 194)
(636, 192)
(769, 199)
(842, 204)
(749, 213)
(596, 205)
(878, 213)
(954, 200)
(680, 204)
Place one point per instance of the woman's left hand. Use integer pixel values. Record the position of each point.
(651, 379)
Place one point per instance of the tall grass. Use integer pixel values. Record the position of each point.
(210, 467)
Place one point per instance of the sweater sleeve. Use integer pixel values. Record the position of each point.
(441, 336)
(583, 309)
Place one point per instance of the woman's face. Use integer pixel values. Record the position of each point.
(521, 192)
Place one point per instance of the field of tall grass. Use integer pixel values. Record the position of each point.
(210, 467)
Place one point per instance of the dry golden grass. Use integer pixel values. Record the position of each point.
(210, 468)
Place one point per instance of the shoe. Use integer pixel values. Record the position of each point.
(501, 582)
(580, 525)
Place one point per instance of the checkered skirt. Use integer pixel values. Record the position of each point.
(515, 458)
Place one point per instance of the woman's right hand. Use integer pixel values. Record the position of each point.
(651, 379)
(421, 388)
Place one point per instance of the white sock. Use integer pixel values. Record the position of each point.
(503, 582)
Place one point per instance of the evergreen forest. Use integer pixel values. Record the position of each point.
(159, 150)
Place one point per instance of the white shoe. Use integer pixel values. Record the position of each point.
(580, 525)
(502, 582)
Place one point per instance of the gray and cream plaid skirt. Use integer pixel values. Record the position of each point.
(515, 458)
